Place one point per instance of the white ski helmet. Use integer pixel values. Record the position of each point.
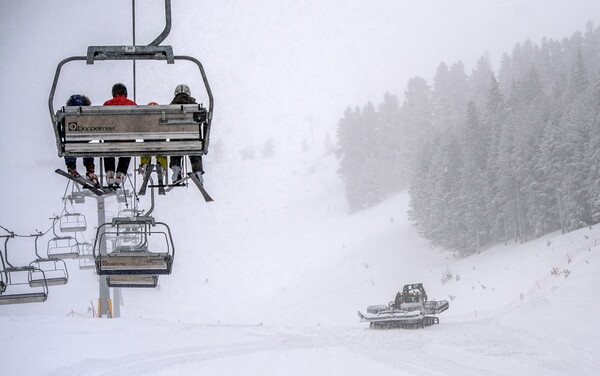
(182, 89)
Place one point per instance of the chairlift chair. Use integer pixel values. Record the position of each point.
(18, 288)
(78, 197)
(51, 271)
(15, 282)
(123, 195)
(72, 222)
(129, 213)
(142, 246)
(86, 251)
(114, 131)
(86, 256)
(63, 247)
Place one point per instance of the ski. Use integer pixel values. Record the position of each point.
(81, 181)
(195, 179)
(147, 174)
(177, 183)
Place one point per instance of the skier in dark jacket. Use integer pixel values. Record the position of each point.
(183, 96)
(71, 162)
(119, 93)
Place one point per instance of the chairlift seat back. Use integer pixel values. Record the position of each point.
(132, 281)
(36, 297)
(128, 263)
(50, 281)
(132, 130)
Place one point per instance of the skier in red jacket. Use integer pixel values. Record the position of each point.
(119, 93)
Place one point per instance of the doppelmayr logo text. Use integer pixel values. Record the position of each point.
(74, 127)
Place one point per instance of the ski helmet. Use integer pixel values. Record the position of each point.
(182, 89)
(78, 100)
(119, 89)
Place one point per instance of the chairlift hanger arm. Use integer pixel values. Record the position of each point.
(55, 83)
(167, 29)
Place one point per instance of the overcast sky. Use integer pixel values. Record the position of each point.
(270, 64)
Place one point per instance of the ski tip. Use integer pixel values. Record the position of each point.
(360, 315)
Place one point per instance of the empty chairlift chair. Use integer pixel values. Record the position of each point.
(134, 246)
(72, 222)
(63, 247)
(16, 285)
(51, 271)
(86, 256)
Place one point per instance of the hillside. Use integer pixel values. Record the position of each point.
(269, 278)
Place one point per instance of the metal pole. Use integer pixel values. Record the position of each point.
(103, 289)
(116, 303)
(133, 37)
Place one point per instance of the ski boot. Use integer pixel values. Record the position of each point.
(91, 175)
(176, 174)
(119, 179)
(110, 178)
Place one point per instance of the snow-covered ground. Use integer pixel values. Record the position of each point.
(269, 278)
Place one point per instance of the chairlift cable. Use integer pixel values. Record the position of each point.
(66, 189)
(134, 66)
(7, 230)
(134, 78)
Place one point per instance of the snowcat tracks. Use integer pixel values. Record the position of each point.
(426, 321)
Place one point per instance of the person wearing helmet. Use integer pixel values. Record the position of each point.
(119, 93)
(161, 164)
(183, 96)
(71, 162)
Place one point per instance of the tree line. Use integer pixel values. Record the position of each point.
(487, 157)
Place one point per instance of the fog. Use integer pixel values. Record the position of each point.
(277, 249)
(275, 68)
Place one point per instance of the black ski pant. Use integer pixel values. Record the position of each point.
(196, 162)
(123, 166)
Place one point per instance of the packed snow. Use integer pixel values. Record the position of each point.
(271, 281)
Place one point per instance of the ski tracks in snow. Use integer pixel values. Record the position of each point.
(474, 348)
(468, 348)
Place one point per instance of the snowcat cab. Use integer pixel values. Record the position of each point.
(414, 293)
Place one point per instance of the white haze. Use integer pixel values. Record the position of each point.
(279, 230)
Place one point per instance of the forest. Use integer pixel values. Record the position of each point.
(487, 157)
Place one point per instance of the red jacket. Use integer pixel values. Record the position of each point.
(120, 100)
